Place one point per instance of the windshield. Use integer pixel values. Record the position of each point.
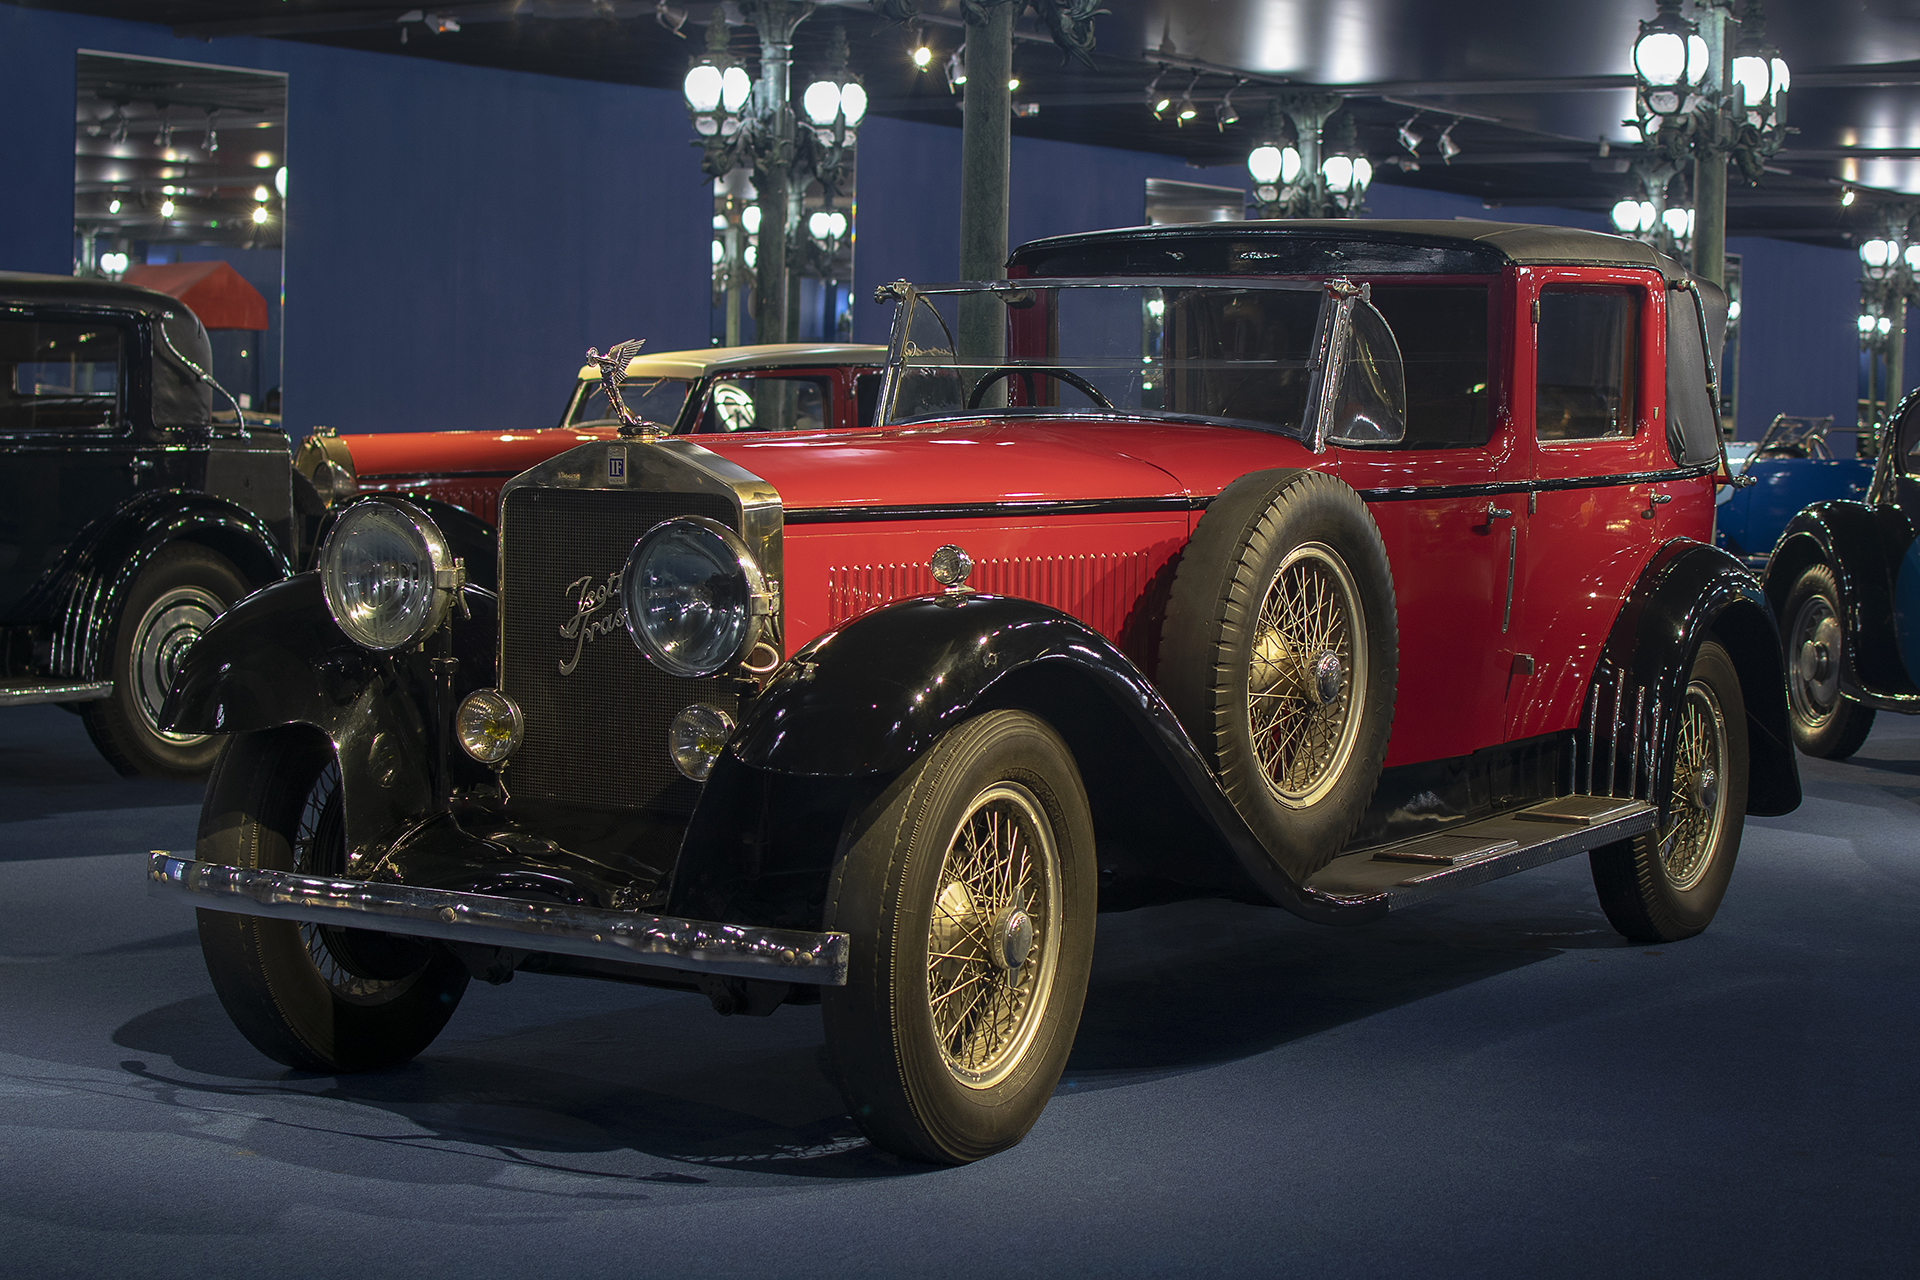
(656, 400)
(1243, 352)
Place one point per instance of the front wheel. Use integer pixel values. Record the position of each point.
(968, 890)
(171, 604)
(1667, 885)
(316, 997)
(1825, 724)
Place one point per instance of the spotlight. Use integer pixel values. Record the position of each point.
(1226, 114)
(922, 54)
(1847, 197)
(1447, 146)
(957, 68)
(1408, 138)
(259, 213)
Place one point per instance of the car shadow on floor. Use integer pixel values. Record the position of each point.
(1175, 989)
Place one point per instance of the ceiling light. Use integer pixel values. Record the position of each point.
(1226, 113)
(922, 54)
(957, 68)
(1847, 197)
(113, 206)
(259, 213)
(166, 208)
(1447, 146)
(1408, 138)
(260, 194)
(280, 181)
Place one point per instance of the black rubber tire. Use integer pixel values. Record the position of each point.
(1207, 650)
(382, 999)
(1638, 887)
(170, 603)
(1826, 723)
(891, 892)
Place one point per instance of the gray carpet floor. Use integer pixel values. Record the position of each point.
(1490, 1084)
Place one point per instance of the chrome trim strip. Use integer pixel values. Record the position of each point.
(993, 510)
(32, 694)
(699, 946)
(1530, 487)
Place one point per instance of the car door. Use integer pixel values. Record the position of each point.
(67, 433)
(1440, 497)
(1588, 407)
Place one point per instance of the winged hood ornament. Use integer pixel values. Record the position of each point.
(613, 373)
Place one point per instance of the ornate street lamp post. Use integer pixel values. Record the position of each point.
(1302, 171)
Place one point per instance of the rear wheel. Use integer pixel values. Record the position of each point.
(968, 891)
(172, 603)
(315, 997)
(1667, 884)
(1824, 722)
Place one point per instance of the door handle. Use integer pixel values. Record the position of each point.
(1497, 513)
(138, 466)
(1655, 499)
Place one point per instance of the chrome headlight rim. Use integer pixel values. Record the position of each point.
(733, 550)
(428, 544)
(478, 710)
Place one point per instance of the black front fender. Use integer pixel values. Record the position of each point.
(277, 658)
(1688, 591)
(858, 706)
(1863, 545)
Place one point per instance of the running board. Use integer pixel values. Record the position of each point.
(26, 693)
(1477, 852)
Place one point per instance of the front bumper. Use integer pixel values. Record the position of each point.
(698, 946)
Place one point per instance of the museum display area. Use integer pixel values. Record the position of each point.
(1401, 523)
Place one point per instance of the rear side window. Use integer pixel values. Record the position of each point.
(1442, 332)
(1586, 341)
(60, 377)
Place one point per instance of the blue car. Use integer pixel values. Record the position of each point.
(1845, 582)
(1792, 467)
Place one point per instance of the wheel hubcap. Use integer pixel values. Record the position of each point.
(161, 640)
(993, 940)
(1307, 678)
(1814, 690)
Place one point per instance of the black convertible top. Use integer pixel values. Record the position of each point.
(1320, 246)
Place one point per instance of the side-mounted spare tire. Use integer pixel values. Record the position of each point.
(1280, 655)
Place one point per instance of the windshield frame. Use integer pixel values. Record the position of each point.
(1328, 340)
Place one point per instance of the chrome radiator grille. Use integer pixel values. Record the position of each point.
(598, 734)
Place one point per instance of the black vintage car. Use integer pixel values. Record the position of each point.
(131, 514)
(1845, 580)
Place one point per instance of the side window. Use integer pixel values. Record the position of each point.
(866, 398)
(1442, 332)
(59, 376)
(746, 402)
(1586, 340)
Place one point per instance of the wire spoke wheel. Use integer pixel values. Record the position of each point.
(320, 849)
(1309, 656)
(991, 951)
(1697, 801)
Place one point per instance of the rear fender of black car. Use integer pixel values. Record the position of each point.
(277, 658)
(1862, 544)
(83, 596)
(858, 706)
(1687, 592)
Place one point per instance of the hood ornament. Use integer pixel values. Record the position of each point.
(613, 373)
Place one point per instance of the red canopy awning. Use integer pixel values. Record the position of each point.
(213, 291)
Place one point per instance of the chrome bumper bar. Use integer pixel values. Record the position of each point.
(737, 951)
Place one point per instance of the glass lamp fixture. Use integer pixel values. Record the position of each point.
(1760, 72)
(1866, 324)
(1678, 222)
(1633, 217)
(1670, 59)
(750, 219)
(1879, 258)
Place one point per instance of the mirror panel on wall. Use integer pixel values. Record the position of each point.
(179, 184)
(819, 258)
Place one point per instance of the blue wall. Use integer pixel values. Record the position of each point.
(458, 236)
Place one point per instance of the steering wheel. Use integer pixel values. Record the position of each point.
(1026, 372)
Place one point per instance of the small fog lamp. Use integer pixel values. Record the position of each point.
(489, 726)
(697, 737)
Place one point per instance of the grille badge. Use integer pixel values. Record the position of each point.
(592, 617)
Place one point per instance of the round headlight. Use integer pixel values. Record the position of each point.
(695, 600)
(387, 574)
(489, 725)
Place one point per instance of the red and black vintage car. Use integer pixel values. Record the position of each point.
(1325, 565)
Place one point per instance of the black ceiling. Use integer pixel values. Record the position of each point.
(1536, 89)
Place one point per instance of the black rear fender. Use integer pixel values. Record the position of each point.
(1688, 592)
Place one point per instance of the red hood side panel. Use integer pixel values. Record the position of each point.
(430, 453)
